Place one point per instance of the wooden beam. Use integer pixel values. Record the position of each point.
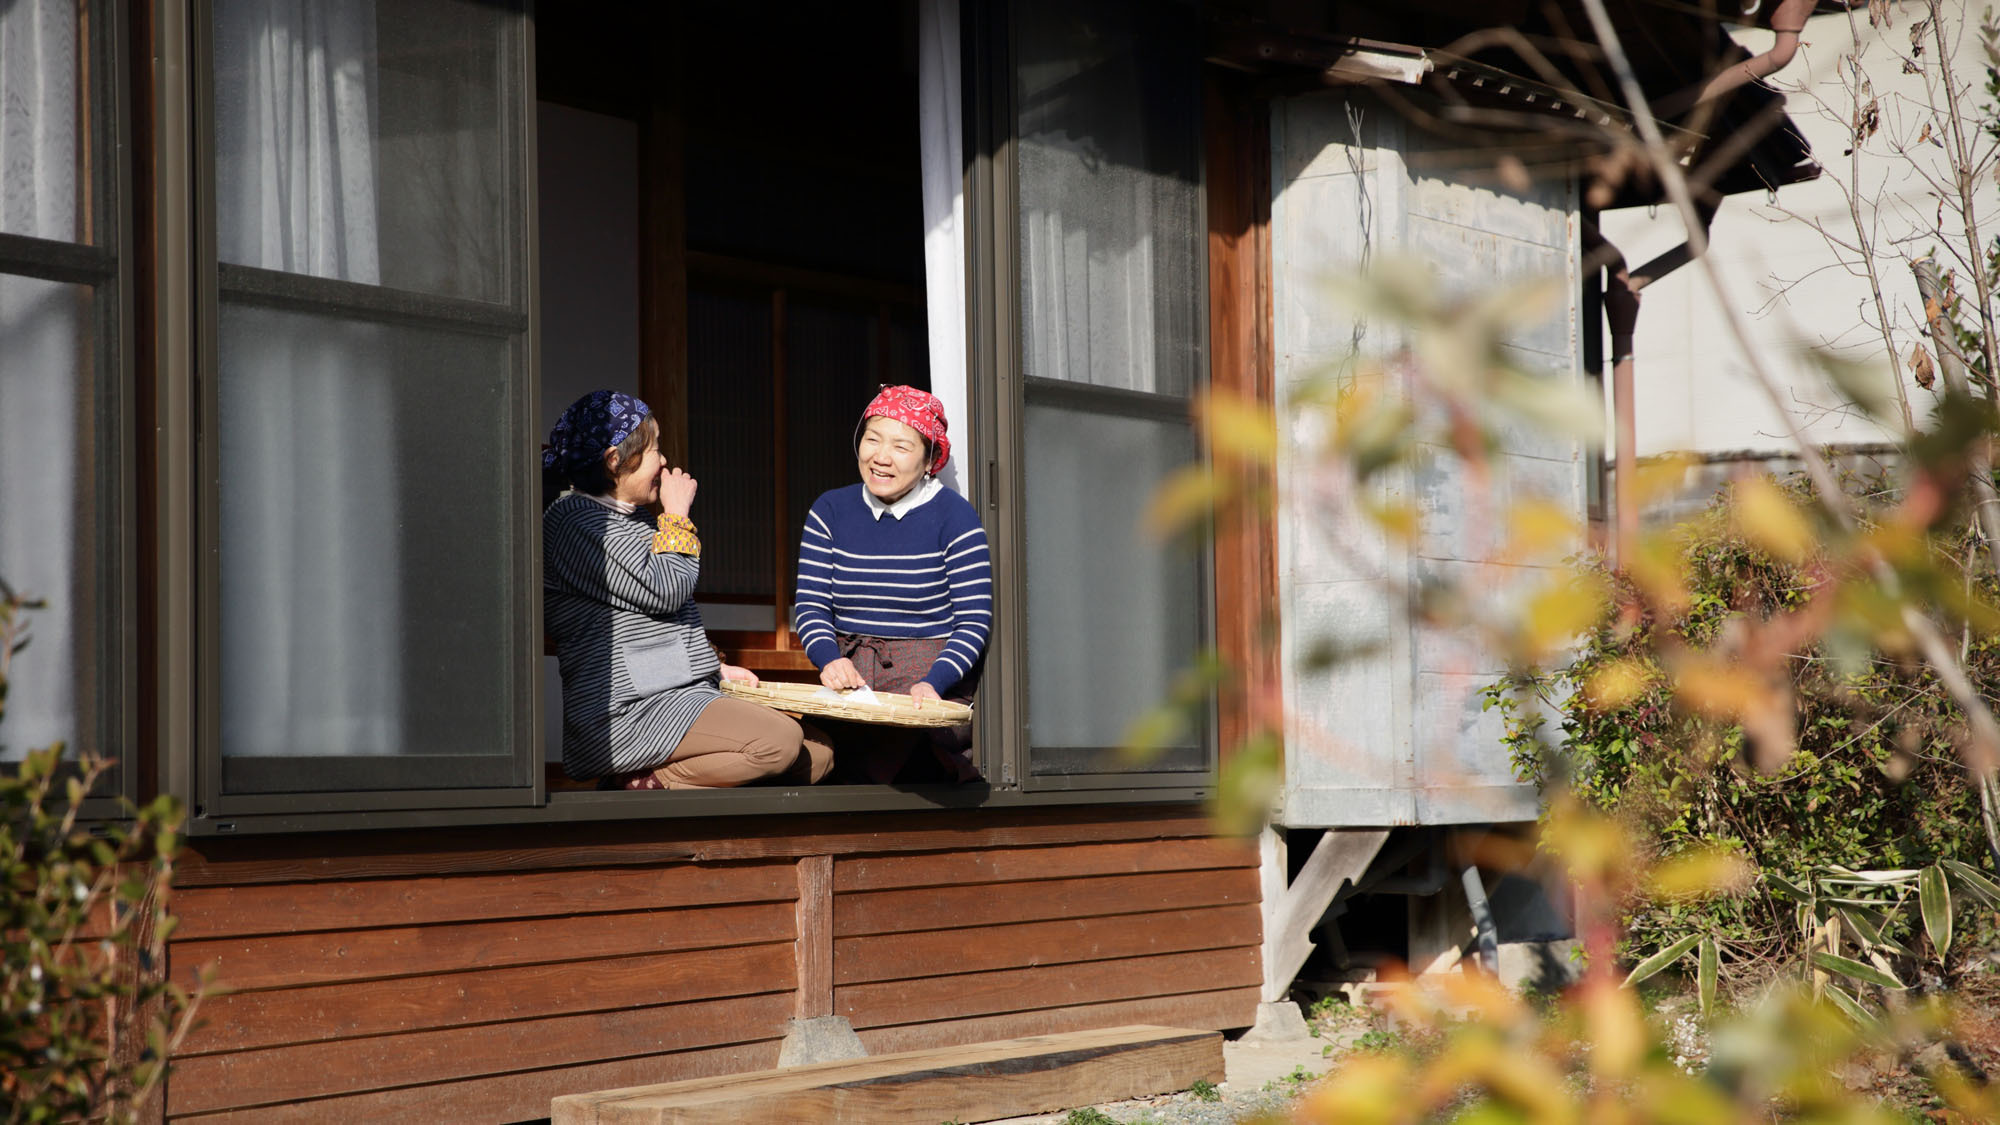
(976, 1082)
(627, 843)
(1340, 857)
(815, 937)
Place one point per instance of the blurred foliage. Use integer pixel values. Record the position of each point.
(87, 1015)
(1871, 777)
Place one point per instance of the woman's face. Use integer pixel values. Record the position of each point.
(892, 458)
(641, 486)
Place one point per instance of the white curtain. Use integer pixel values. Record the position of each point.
(46, 383)
(939, 117)
(309, 559)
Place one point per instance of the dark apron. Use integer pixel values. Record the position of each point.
(879, 754)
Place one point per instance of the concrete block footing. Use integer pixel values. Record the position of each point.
(1277, 1022)
(820, 1039)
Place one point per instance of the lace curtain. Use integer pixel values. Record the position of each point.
(939, 117)
(309, 558)
(46, 379)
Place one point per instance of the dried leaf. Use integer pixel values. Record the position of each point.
(1867, 119)
(1921, 368)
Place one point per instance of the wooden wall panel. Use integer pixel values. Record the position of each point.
(1044, 986)
(996, 865)
(293, 1015)
(521, 1096)
(297, 907)
(276, 961)
(381, 981)
(883, 957)
(938, 908)
(282, 1075)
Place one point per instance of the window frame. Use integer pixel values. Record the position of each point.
(1002, 391)
(212, 807)
(105, 265)
(185, 657)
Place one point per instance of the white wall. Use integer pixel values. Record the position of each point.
(1693, 388)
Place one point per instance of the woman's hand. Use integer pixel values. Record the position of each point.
(739, 675)
(923, 691)
(842, 675)
(676, 491)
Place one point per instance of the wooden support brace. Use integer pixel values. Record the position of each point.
(815, 937)
(1340, 857)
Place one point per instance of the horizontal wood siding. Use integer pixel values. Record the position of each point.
(367, 999)
(973, 944)
(458, 975)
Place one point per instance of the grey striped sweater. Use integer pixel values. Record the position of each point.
(637, 668)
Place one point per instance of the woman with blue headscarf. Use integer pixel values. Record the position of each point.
(641, 709)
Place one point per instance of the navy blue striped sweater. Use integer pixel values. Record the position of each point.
(926, 574)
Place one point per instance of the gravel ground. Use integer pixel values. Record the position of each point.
(1261, 1084)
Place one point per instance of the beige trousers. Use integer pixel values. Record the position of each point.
(737, 743)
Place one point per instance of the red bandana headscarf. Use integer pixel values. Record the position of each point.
(919, 410)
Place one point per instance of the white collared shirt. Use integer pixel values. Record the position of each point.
(915, 498)
(610, 502)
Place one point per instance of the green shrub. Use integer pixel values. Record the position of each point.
(87, 1016)
(1876, 781)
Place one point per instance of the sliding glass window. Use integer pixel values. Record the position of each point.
(371, 502)
(65, 509)
(1111, 244)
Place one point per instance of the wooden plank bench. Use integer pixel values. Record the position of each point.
(974, 1082)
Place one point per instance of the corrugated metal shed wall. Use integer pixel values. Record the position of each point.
(1394, 733)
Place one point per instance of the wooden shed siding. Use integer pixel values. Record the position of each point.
(393, 975)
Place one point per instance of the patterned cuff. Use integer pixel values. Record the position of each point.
(676, 535)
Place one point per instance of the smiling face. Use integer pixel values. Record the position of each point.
(892, 457)
(634, 465)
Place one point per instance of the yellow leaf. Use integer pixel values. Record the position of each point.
(1370, 1088)
(1614, 1027)
(1767, 518)
(1659, 571)
(1398, 520)
(1617, 684)
(1593, 846)
(1710, 871)
(1568, 605)
(1485, 998)
(1661, 476)
(1239, 428)
(1715, 688)
(1184, 500)
(1539, 528)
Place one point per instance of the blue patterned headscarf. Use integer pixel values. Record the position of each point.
(591, 425)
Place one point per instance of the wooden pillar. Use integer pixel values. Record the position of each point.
(815, 937)
(663, 287)
(1240, 365)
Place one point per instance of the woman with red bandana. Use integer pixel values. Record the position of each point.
(895, 589)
